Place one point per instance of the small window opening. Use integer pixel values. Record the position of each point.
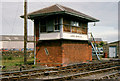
(46, 51)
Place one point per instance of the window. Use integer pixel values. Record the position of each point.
(57, 24)
(43, 26)
(74, 23)
(46, 51)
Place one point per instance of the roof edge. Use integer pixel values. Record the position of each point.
(59, 6)
(61, 12)
(92, 19)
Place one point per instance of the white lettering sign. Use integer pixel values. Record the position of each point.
(74, 36)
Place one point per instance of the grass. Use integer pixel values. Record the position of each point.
(14, 60)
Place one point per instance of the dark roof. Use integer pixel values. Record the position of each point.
(114, 42)
(96, 39)
(15, 38)
(59, 9)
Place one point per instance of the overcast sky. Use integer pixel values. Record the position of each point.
(106, 12)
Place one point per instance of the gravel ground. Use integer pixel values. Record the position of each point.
(97, 76)
(94, 76)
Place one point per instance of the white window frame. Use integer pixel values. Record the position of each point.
(56, 24)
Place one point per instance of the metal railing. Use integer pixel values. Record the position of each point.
(94, 46)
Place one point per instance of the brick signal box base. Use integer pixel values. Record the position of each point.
(63, 52)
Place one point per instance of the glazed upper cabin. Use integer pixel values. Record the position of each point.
(60, 22)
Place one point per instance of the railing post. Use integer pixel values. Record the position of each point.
(94, 46)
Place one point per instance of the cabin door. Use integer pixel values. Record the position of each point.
(112, 51)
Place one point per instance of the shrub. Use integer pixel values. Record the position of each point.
(30, 62)
(33, 57)
(5, 57)
(17, 64)
(10, 58)
(33, 66)
(101, 43)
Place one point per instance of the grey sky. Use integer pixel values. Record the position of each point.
(106, 12)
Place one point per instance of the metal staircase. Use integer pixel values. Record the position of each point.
(94, 46)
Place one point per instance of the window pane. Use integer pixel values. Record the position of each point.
(57, 23)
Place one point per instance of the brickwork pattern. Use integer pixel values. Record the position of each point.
(76, 52)
(54, 58)
(63, 52)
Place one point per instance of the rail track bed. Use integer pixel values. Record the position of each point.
(77, 75)
(101, 75)
(111, 68)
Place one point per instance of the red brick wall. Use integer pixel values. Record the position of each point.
(63, 52)
(55, 56)
(76, 52)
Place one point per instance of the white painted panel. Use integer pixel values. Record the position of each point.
(68, 35)
(30, 45)
(49, 36)
(112, 51)
(0, 44)
(13, 44)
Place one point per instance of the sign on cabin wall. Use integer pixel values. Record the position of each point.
(75, 36)
(68, 35)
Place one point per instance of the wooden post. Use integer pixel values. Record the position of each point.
(34, 43)
(25, 31)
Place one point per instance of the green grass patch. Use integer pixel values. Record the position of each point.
(15, 60)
